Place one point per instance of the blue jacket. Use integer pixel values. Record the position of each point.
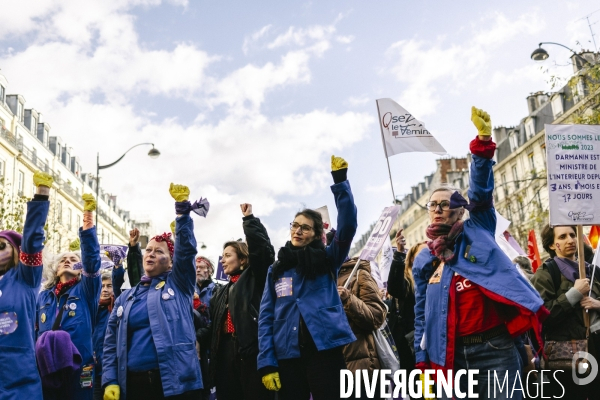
(19, 378)
(206, 292)
(171, 323)
(82, 302)
(316, 300)
(118, 277)
(483, 263)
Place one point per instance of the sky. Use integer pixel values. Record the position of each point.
(247, 101)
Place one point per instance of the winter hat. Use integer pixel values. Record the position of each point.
(12, 237)
(57, 358)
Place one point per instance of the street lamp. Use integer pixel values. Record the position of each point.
(540, 54)
(203, 247)
(153, 153)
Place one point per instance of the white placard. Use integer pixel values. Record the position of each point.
(573, 158)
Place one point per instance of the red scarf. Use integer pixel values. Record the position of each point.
(109, 303)
(63, 287)
(443, 238)
(229, 328)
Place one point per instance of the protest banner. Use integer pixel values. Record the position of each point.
(573, 158)
(401, 132)
(221, 276)
(379, 233)
(324, 211)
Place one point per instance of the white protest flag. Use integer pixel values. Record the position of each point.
(376, 275)
(387, 256)
(402, 132)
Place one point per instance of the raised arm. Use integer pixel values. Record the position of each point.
(90, 256)
(481, 181)
(30, 258)
(135, 269)
(397, 285)
(262, 253)
(184, 265)
(347, 222)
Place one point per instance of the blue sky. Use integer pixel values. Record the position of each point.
(248, 100)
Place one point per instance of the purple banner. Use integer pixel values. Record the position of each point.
(221, 276)
(380, 231)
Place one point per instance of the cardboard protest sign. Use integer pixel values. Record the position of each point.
(573, 158)
(379, 234)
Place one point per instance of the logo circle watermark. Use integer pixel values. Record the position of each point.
(584, 363)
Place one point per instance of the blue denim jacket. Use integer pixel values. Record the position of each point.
(19, 378)
(170, 312)
(316, 300)
(477, 258)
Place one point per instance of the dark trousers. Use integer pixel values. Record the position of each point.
(98, 392)
(148, 386)
(316, 372)
(237, 377)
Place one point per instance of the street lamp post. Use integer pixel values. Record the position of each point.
(153, 153)
(541, 54)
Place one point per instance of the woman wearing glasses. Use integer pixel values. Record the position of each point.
(302, 326)
(470, 299)
(234, 313)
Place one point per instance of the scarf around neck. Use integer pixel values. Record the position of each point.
(61, 288)
(443, 238)
(148, 279)
(570, 268)
(309, 261)
(108, 303)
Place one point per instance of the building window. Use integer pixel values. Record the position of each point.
(69, 219)
(531, 161)
(59, 211)
(2, 93)
(557, 106)
(504, 190)
(543, 148)
(2, 165)
(529, 128)
(58, 241)
(513, 140)
(78, 222)
(515, 176)
(21, 183)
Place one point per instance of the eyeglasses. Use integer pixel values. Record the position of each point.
(444, 205)
(305, 228)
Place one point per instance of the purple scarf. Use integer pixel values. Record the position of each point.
(570, 268)
(148, 279)
(443, 238)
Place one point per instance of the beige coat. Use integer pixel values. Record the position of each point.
(365, 312)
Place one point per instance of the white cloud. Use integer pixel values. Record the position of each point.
(426, 68)
(243, 156)
(358, 101)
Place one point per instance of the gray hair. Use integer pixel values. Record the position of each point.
(445, 187)
(51, 267)
(524, 263)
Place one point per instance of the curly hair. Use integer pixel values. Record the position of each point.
(51, 267)
(316, 218)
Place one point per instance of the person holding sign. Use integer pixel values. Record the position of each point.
(69, 304)
(302, 325)
(20, 278)
(149, 348)
(470, 299)
(566, 294)
(234, 313)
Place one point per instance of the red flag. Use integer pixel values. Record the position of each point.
(532, 251)
(594, 236)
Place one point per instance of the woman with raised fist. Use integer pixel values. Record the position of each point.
(149, 348)
(20, 279)
(234, 313)
(302, 325)
(66, 314)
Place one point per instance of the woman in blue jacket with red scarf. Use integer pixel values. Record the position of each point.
(20, 278)
(302, 326)
(149, 349)
(470, 299)
(76, 292)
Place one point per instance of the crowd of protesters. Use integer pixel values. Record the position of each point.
(288, 321)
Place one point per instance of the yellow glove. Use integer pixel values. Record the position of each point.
(482, 121)
(42, 179)
(112, 392)
(179, 192)
(427, 391)
(173, 227)
(89, 203)
(338, 163)
(75, 245)
(271, 381)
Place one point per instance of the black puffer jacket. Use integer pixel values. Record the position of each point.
(244, 297)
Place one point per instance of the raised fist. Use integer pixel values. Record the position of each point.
(482, 122)
(246, 209)
(179, 192)
(89, 203)
(134, 237)
(338, 163)
(42, 179)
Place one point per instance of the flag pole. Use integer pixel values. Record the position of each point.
(385, 151)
